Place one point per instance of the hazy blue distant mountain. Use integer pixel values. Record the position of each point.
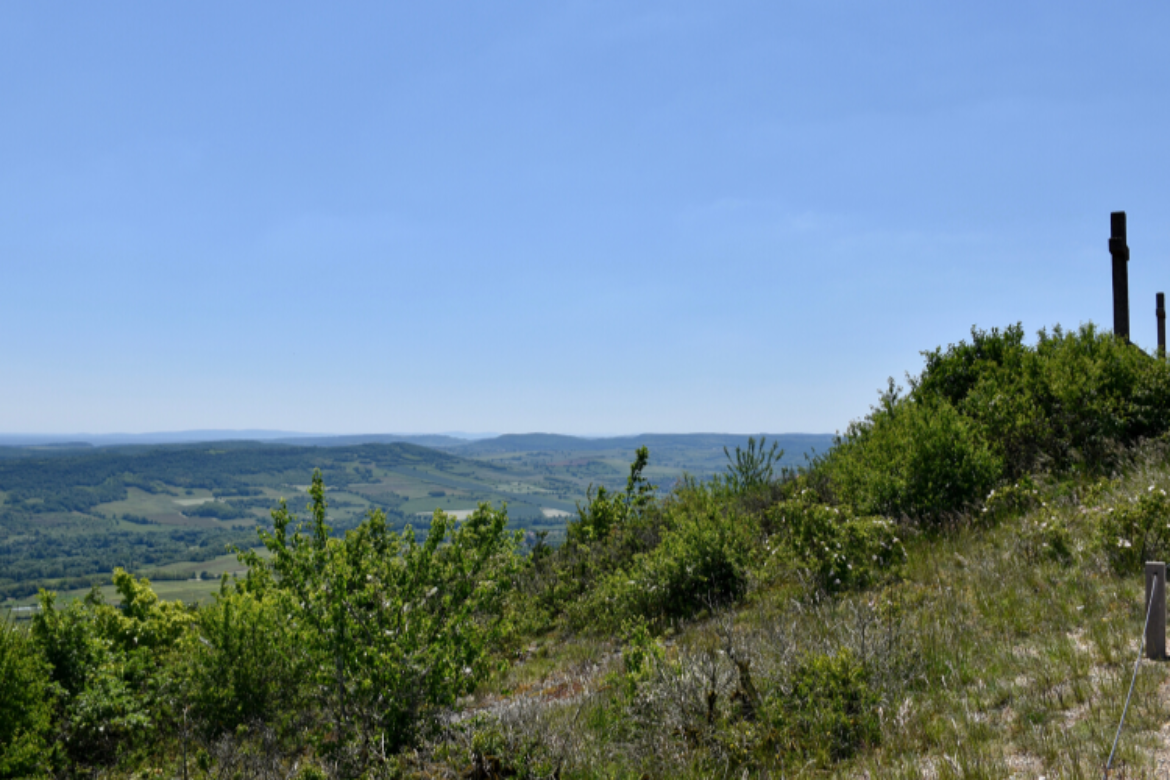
(162, 437)
(350, 440)
(210, 435)
(795, 445)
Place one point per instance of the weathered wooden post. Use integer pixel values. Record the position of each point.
(1120, 251)
(1156, 604)
(1162, 325)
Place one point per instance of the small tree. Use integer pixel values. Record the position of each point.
(605, 511)
(753, 467)
(25, 705)
(395, 626)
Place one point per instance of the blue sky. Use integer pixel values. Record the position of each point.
(604, 217)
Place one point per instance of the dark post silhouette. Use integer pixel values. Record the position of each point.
(1162, 325)
(1156, 605)
(1120, 251)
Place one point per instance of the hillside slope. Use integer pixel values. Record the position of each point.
(951, 591)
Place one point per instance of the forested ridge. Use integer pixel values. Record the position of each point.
(950, 590)
(80, 482)
(52, 529)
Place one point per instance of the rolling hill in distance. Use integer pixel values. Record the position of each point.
(171, 505)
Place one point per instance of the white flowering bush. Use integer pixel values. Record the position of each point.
(1011, 500)
(1135, 530)
(1045, 536)
(841, 551)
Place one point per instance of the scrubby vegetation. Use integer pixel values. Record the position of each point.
(953, 591)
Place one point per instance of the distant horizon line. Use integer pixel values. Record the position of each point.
(193, 435)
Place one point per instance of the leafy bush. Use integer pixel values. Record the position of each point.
(1011, 500)
(914, 457)
(702, 560)
(1072, 399)
(116, 668)
(249, 664)
(1046, 537)
(841, 551)
(605, 513)
(394, 626)
(1132, 532)
(828, 711)
(997, 408)
(610, 530)
(641, 652)
(25, 705)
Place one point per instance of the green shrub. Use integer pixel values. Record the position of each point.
(828, 711)
(1045, 537)
(1134, 531)
(1011, 500)
(394, 626)
(1073, 399)
(605, 513)
(914, 457)
(841, 551)
(703, 559)
(25, 705)
(641, 652)
(996, 408)
(248, 663)
(117, 668)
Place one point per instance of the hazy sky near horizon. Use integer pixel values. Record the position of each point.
(581, 217)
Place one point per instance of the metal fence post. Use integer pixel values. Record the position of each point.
(1119, 249)
(1156, 629)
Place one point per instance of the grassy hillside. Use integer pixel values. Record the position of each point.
(954, 590)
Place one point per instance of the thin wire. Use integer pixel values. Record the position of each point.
(1136, 664)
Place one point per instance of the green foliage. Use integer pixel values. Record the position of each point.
(25, 705)
(611, 529)
(115, 667)
(1011, 500)
(752, 468)
(918, 457)
(1046, 537)
(996, 408)
(604, 513)
(641, 653)
(219, 510)
(394, 625)
(1072, 399)
(1134, 531)
(829, 711)
(702, 559)
(248, 661)
(841, 551)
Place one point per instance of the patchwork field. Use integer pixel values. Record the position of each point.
(70, 515)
